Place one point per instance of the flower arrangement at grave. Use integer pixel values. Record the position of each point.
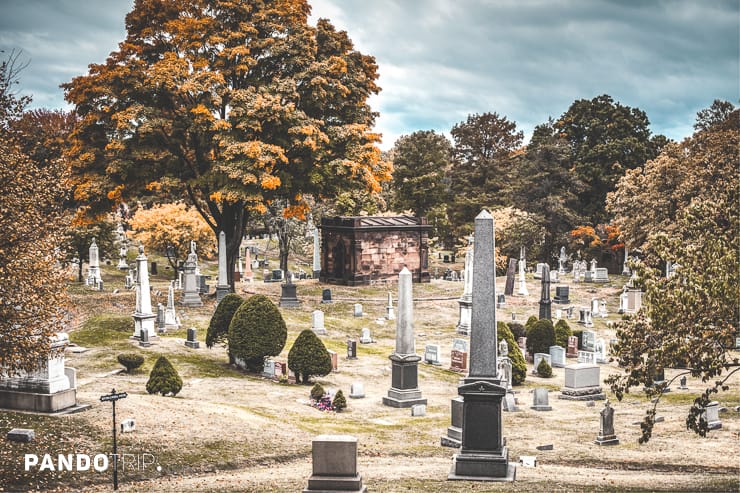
(163, 378)
(130, 360)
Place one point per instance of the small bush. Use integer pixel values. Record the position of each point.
(308, 357)
(164, 379)
(340, 402)
(256, 331)
(562, 332)
(218, 328)
(131, 361)
(543, 369)
(518, 330)
(540, 337)
(518, 365)
(317, 392)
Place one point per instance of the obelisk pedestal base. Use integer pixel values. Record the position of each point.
(404, 391)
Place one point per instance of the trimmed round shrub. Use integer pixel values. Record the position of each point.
(518, 365)
(540, 337)
(164, 379)
(256, 331)
(131, 361)
(562, 332)
(530, 323)
(543, 369)
(218, 328)
(308, 357)
(518, 330)
(317, 392)
(340, 402)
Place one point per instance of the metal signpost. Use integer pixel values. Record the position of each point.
(113, 397)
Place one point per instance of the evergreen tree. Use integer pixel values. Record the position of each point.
(163, 378)
(480, 175)
(518, 364)
(257, 330)
(540, 337)
(308, 357)
(218, 327)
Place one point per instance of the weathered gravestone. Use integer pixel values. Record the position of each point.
(431, 354)
(335, 465)
(606, 427)
(351, 349)
(557, 356)
(466, 300)
(326, 296)
(365, 337)
(21, 435)
(357, 390)
(357, 310)
(540, 400)
(510, 273)
(143, 316)
(582, 383)
(562, 295)
(192, 340)
(317, 322)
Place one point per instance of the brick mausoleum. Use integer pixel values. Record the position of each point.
(358, 250)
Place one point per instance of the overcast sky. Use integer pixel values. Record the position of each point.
(441, 60)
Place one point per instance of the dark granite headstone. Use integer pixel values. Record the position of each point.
(326, 296)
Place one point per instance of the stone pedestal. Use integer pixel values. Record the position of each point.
(49, 389)
(463, 325)
(483, 455)
(288, 296)
(404, 391)
(582, 383)
(334, 465)
(190, 289)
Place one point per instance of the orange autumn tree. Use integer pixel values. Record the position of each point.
(173, 225)
(32, 295)
(229, 104)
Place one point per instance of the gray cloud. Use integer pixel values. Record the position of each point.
(440, 60)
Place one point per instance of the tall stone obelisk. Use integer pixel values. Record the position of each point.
(143, 316)
(404, 391)
(545, 301)
(222, 288)
(466, 300)
(316, 253)
(483, 455)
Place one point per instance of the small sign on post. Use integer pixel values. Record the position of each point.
(113, 397)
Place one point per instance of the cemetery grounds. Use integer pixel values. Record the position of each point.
(232, 431)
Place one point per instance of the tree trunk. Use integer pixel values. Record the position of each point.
(80, 255)
(233, 223)
(284, 246)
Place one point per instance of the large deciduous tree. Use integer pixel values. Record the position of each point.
(688, 320)
(480, 175)
(606, 139)
(546, 186)
(420, 161)
(229, 104)
(32, 294)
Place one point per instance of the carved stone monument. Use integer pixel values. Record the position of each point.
(483, 455)
(404, 391)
